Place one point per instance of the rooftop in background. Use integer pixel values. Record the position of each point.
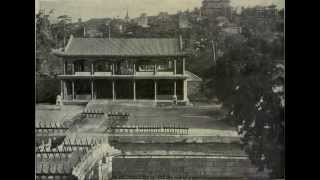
(87, 9)
(122, 47)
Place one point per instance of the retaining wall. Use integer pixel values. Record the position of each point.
(174, 139)
(182, 167)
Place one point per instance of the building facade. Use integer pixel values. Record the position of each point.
(215, 8)
(231, 29)
(183, 20)
(123, 69)
(142, 21)
(261, 12)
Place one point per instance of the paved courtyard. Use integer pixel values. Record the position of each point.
(52, 113)
(203, 120)
(203, 116)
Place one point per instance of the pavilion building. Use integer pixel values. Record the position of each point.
(134, 69)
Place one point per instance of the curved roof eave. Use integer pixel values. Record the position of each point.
(61, 54)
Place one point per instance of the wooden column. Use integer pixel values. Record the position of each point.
(183, 65)
(113, 69)
(175, 67)
(185, 90)
(64, 67)
(92, 68)
(73, 71)
(73, 95)
(134, 68)
(113, 95)
(65, 90)
(155, 69)
(62, 89)
(175, 88)
(134, 90)
(155, 90)
(92, 95)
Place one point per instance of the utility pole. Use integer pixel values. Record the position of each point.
(84, 31)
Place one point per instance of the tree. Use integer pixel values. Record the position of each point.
(43, 33)
(62, 29)
(251, 86)
(44, 39)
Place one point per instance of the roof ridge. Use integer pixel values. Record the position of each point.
(69, 42)
(120, 38)
(192, 76)
(123, 47)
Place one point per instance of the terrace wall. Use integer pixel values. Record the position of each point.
(182, 167)
(174, 139)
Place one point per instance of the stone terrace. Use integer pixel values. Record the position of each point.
(203, 117)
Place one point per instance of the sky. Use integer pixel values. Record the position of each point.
(87, 9)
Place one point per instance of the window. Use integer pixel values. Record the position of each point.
(82, 66)
(102, 67)
(146, 68)
(165, 66)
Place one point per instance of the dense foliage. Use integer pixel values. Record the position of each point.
(48, 37)
(249, 80)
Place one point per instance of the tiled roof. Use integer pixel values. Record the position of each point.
(121, 47)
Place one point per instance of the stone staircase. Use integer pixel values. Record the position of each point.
(97, 153)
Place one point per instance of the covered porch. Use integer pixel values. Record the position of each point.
(85, 90)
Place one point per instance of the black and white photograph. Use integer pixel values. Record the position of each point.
(159, 89)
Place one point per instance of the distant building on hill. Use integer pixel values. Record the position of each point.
(183, 21)
(215, 8)
(232, 29)
(95, 27)
(163, 16)
(163, 22)
(261, 11)
(92, 32)
(222, 21)
(142, 20)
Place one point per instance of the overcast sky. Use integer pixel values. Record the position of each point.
(87, 9)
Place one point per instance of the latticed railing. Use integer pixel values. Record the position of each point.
(118, 115)
(156, 129)
(92, 113)
(51, 126)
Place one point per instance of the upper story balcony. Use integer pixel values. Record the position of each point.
(123, 68)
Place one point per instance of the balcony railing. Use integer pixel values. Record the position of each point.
(102, 73)
(82, 73)
(144, 73)
(137, 73)
(165, 73)
(129, 72)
